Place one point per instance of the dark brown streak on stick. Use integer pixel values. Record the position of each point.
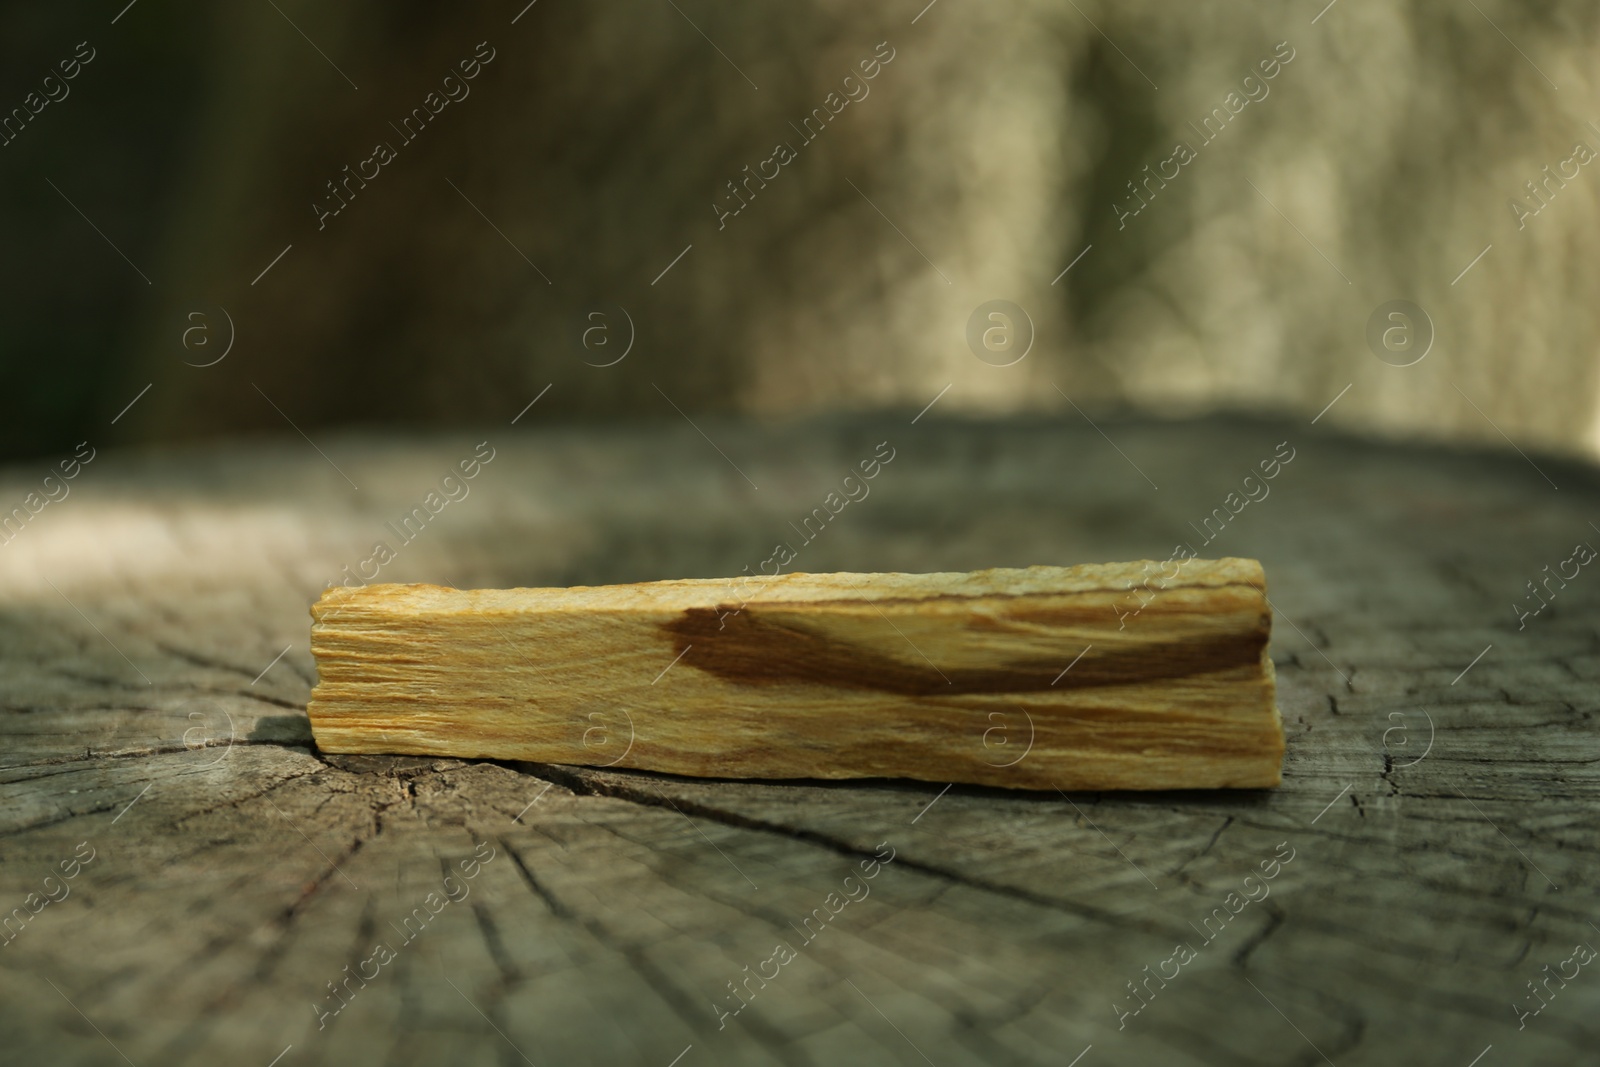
(745, 648)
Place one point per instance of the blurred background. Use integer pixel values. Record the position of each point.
(413, 215)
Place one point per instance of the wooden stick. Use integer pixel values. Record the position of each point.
(1109, 676)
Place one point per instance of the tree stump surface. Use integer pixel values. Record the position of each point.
(1431, 850)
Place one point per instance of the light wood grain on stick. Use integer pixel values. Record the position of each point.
(940, 677)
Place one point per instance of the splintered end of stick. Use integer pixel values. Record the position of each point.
(1143, 675)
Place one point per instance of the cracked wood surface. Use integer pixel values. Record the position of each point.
(1438, 804)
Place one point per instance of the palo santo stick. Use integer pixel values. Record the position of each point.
(1106, 676)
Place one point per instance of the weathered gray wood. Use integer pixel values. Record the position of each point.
(246, 874)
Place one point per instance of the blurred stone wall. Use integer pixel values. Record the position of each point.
(1241, 191)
